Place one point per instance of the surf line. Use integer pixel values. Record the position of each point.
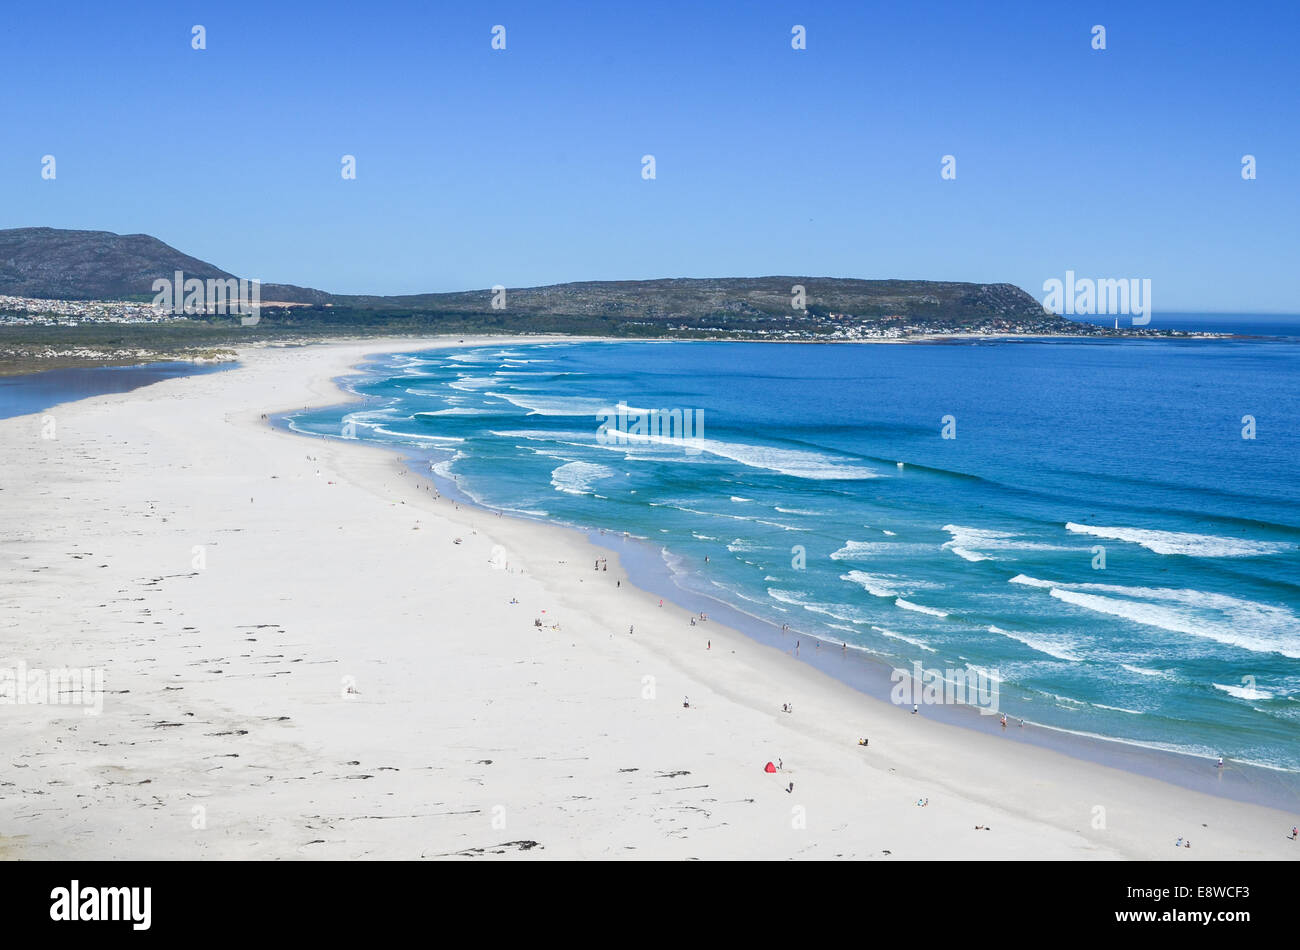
(646, 425)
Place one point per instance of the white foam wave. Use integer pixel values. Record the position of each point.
(919, 608)
(457, 411)
(417, 435)
(862, 550)
(1180, 542)
(792, 462)
(1037, 642)
(576, 478)
(1259, 628)
(538, 405)
(1140, 671)
(893, 634)
(971, 543)
(469, 384)
(1243, 692)
(878, 585)
(1030, 581)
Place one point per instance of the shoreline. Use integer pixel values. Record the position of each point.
(869, 675)
(461, 706)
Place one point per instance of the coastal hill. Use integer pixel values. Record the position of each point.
(101, 265)
(81, 265)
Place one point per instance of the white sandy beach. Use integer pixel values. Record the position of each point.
(228, 730)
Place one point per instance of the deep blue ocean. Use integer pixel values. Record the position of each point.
(978, 551)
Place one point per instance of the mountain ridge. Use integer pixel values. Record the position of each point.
(89, 265)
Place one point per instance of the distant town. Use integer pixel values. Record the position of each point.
(807, 326)
(38, 311)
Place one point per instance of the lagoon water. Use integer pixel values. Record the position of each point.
(33, 392)
(1098, 537)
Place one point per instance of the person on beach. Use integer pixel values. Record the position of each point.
(1004, 720)
(1295, 832)
(710, 645)
(915, 708)
(686, 702)
(1220, 765)
(629, 630)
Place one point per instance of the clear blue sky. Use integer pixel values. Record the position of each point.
(523, 167)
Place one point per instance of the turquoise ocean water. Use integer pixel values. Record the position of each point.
(979, 551)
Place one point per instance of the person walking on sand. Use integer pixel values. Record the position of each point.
(915, 708)
(629, 630)
(710, 645)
